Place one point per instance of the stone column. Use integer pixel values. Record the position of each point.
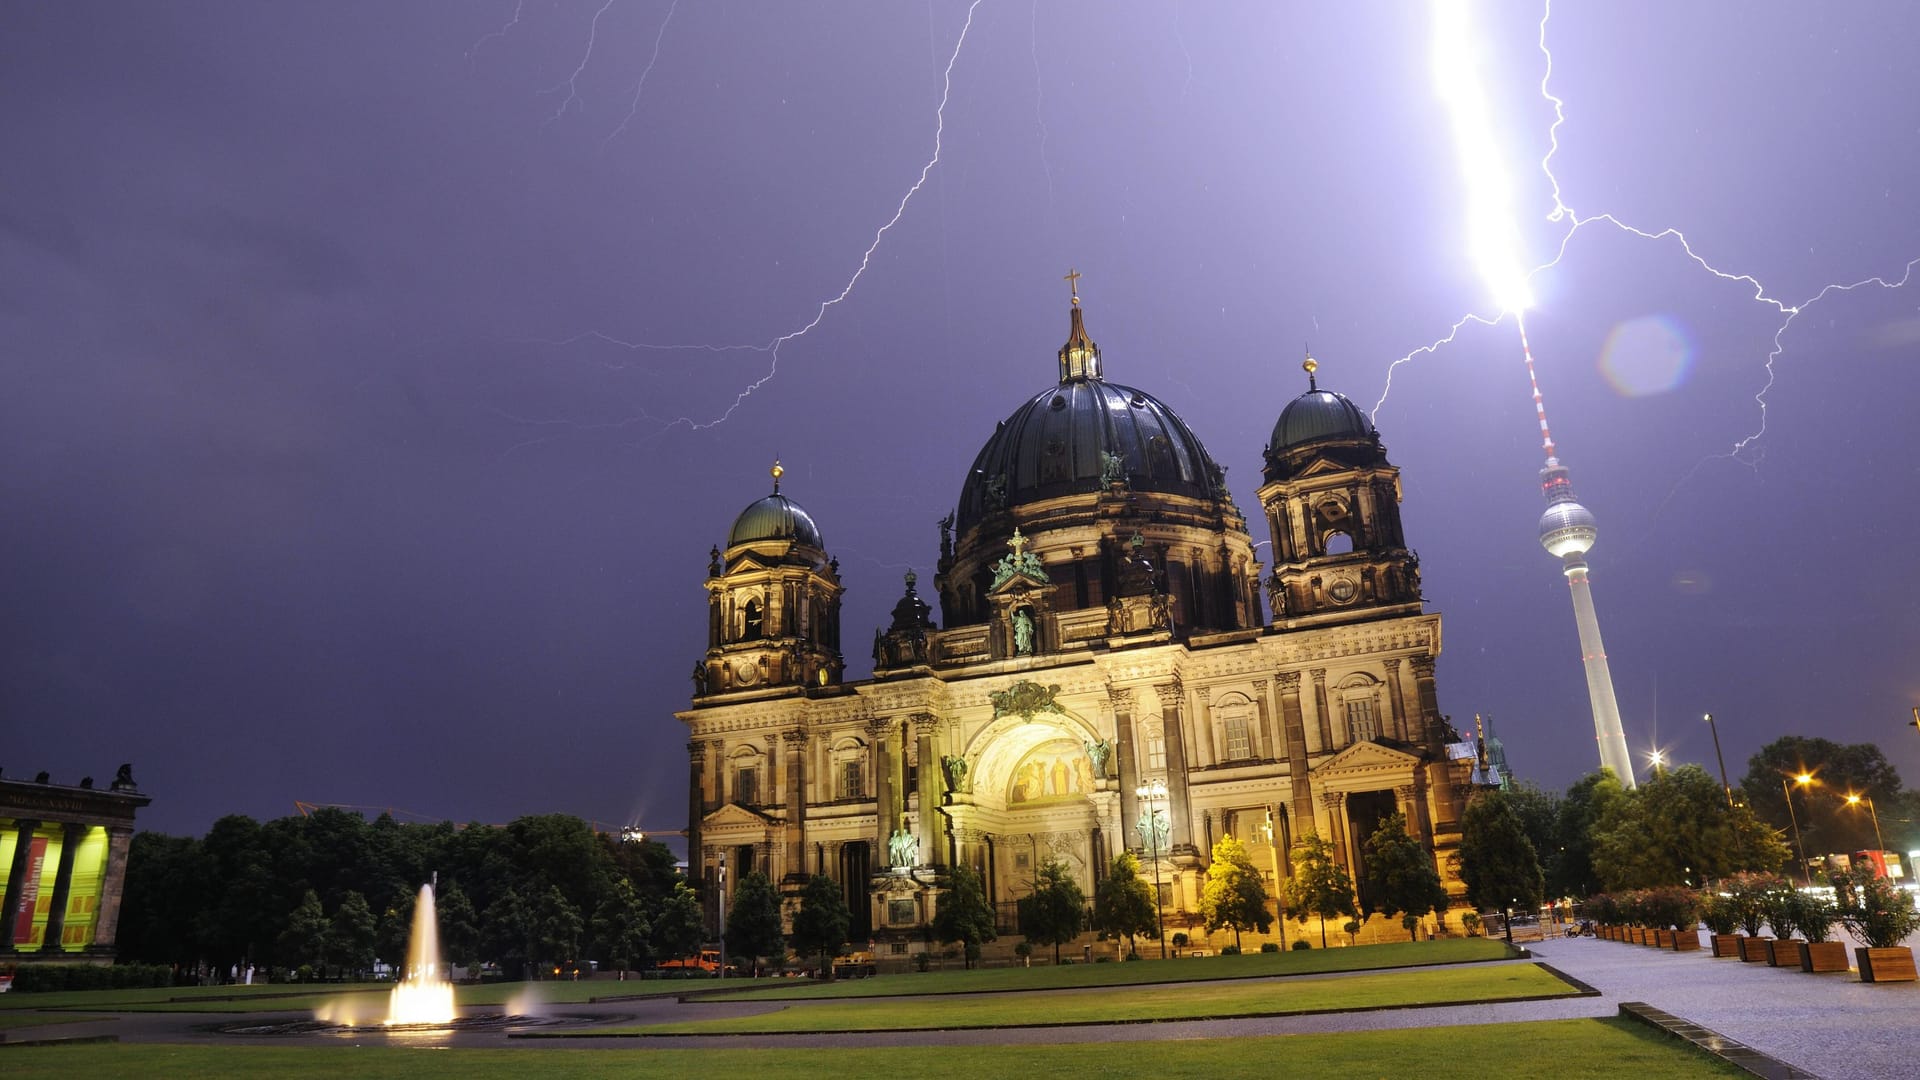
(1411, 806)
(1295, 726)
(1269, 750)
(770, 790)
(16, 880)
(1321, 714)
(1396, 704)
(877, 732)
(796, 803)
(1336, 804)
(113, 882)
(1122, 703)
(1204, 752)
(933, 823)
(718, 774)
(1446, 807)
(696, 800)
(1180, 814)
(62, 884)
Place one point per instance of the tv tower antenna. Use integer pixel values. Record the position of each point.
(1567, 531)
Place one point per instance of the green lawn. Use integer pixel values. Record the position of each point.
(17, 1019)
(294, 997)
(1196, 1001)
(1192, 969)
(115, 999)
(1547, 1050)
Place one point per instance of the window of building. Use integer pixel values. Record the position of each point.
(1156, 750)
(753, 622)
(1239, 744)
(746, 785)
(902, 912)
(850, 781)
(1361, 722)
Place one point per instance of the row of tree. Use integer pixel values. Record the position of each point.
(333, 890)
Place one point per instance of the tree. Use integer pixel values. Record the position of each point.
(1400, 874)
(622, 935)
(1234, 897)
(1572, 873)
(1123, 903)
(1497, 861)
(1826, 823)
(553, 929)
(354, 932)
(506, 933)
(1677, 829)
(459, 926)
(307, 934)
(753, 919)
(1319, 886)
(820, 925)
(964, 914)
(395, 930)
(1055, 912)
(678, 927)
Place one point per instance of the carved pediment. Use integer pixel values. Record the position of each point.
(1025, 698)
(1367, 757)
(734, 816)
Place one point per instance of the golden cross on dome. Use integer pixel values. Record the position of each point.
(1018, 543)
(1073, 282)
(777, 472)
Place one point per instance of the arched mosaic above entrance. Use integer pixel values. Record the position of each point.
(1056, 769)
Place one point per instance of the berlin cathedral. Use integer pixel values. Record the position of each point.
(1110, 670)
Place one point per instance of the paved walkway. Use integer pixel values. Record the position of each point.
(1830, 1025)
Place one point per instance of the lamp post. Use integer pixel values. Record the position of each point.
(1721, 758)
(1657, 758)
(1803, 780)
(1155, 793)
(723, 914)
(1855, 800)
(1279, 877)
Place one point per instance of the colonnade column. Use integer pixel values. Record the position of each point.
(1324, 719)
(1296, 729)
(113, 882)
(796, 803)
(62, 884)
(696, 802)
(1122, 701)
(933, 823)
(1395, 701)
(1179, 811)
(878, 732)
(1205, 753)
(1269, 750)
(16, 880)
(1336, 804)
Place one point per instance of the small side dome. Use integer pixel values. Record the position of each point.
(775, 517)
(1319, 417)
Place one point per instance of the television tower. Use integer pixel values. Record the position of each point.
(1567, 531)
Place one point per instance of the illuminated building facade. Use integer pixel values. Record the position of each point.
(63, 850)
(1102, 627)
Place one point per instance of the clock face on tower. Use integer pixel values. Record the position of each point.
(746, 673)
(1342, 590)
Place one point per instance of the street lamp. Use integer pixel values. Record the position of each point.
(723, 914)
(1656, 758)
(1279, 876)
(1802, 780)
(1855, 800)
(1155, 793)
(1721, 758)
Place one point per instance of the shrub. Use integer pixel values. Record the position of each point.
(1814, 915)
(1135, 956)
(1718, 913)
(1747, 893)
(1270, 946)
(1670, 906)
(1877, 913)
(1303, 943)
(48, 978)
(1782, 907)
(1603, 908)
(1231, 950)
(1470, 922)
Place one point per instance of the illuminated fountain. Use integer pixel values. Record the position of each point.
(424, 995)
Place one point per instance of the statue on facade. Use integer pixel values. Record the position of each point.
(1098, 752)
(1113, 469)
(946, 536)
(1022, 633)
(903, 849)
(1116, 617)
(701, 680)
(1162, 611)
(713, 562)
(1154, 829)
(123, 780)
(955, 767)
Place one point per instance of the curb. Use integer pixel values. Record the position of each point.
(1733, 1052)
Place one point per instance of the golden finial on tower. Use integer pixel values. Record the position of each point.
(1310, 366)
(1073, 282)
(777, 472)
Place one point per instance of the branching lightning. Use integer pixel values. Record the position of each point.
(633, 107)
(519, 8)
(771, 348)
(571, 82)
(1495, 238)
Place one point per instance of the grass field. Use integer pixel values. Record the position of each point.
(13, 1021)
(1196, 1001)
(293, 997)
(1250, 966)
(1547, 1050)
(260, 995)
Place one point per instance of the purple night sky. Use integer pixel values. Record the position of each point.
(327, 478)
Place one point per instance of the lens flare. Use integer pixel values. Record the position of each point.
(1647, 355)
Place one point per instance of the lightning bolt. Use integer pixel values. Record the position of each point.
(1513, 298)
(571, 81)
(770, 348)
(634, 106)
(519, 8)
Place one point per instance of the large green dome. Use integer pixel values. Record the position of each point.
(775, 517)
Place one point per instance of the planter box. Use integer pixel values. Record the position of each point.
(1726, 944)
(1663, 939)
(1886, 965)
(1753, 950)
(1642, 936)
(1823, 956)
(1686, 941)
(1784, 952)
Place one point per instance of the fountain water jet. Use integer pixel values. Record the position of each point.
(424, 995)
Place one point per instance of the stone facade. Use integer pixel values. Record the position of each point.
(1105, 631)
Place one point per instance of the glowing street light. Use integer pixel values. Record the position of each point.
(1854, 801)
(1721, 758)
(1154, 793)
(1658, 759)
(723, 914)
(1801, 780)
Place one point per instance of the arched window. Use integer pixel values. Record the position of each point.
(1235, 714)
(754, 624)
(1360, 698)
(849, 770)
(1339, 543)
(1156, 741)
